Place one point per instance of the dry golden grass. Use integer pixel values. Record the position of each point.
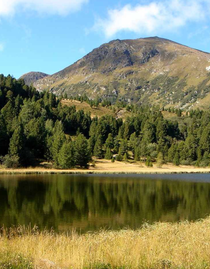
(94, 111)
(203, 103)
(103, 166)
(162, 245)
(169, 115)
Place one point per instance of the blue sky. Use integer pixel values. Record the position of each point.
(49, 35)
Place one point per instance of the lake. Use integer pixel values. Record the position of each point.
(91, 202)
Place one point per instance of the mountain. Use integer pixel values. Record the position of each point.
(144, 71)
(31, 77)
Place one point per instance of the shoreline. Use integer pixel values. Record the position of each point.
(57, 172)
(116, 168)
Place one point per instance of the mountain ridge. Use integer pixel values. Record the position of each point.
(151, 70)
(31, 77)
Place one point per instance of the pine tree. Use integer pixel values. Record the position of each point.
(176, 159)
(205, 139)
(35, 135)
(108, 154)
(27, 112)
(4, 138)
(133, 142)
(123, 147)
(109, 143)
(125, 157)
(116, 145)
(199, 156)
(191, 147)
(171, 153)
(9, 95)
(58, 139)
(148, 161)
(137, 153)
(160, 159)
(52, 100)
(205, 160)
(91, 143)
(8, 112)
(98, 149)
(126, 131)
(149, 132)
(16, 145)
(119, 157)
(82, 152)
(160, 130)
(66, 157)
(18, 103)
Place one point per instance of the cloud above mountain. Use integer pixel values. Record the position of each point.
(61, 7)
(154, 17)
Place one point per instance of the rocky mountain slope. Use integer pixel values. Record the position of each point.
(31, 77)
(149, 71)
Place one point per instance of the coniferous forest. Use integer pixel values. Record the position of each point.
(36, 127)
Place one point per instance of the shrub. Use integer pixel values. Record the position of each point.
(160, 160)
(148, 162)
(119, 158)
(185, 162)
(11, 161)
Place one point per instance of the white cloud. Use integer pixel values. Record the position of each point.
(154, 17)
(61, 7)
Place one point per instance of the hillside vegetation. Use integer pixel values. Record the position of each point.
(36, 127)
(143, 71)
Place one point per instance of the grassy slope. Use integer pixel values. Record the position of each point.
(96, 111)
(101, 111)
(162, 245)
(174, 60)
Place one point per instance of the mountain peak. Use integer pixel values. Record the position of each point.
(150, 70)
(31, 77)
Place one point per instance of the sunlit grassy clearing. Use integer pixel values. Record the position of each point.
(95, 111)
(162, 245)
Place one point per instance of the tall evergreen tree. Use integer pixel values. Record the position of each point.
(4, 138)
(108, 154)
(176, 160)
(98, 149)
(82, 152)
(57, 141)
(109, 143)
(66, 157)
(16, 145)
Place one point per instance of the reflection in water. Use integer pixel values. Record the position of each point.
(91, 202)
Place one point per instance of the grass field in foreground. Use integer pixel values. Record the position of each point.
(161, 245)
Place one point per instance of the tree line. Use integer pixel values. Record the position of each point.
(36, 126)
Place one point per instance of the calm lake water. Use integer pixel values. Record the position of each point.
(91, 202)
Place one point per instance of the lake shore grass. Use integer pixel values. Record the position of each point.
(161, 245)
(108, 167)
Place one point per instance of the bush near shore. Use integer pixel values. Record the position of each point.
(161, 245)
